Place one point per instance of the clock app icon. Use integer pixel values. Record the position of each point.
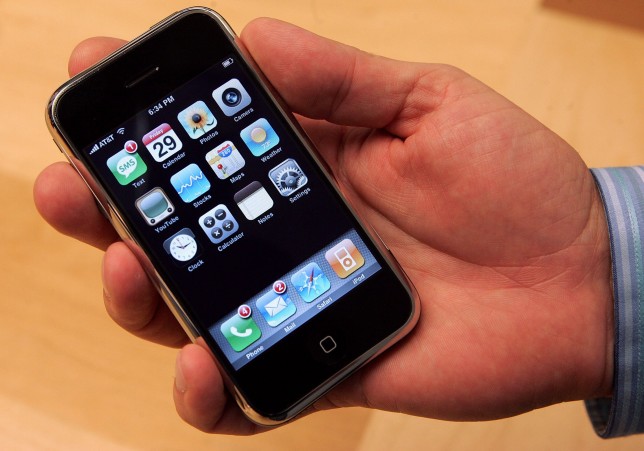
(182, 246)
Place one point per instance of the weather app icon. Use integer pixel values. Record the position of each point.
(190, 183)
(259, 137)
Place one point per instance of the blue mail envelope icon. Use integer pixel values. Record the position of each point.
(275, 308)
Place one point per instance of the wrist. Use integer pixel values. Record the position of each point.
(622, 193)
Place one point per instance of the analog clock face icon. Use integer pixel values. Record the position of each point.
(182, 246)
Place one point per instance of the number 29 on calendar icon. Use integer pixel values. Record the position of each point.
(162, 142)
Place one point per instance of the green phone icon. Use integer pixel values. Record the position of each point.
(240, 332)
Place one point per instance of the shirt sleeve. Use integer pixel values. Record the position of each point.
(622, 192)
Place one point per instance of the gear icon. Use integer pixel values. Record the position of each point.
(288, 177)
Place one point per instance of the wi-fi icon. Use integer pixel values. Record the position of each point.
(121, 131)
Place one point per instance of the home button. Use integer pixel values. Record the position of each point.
(328, 344)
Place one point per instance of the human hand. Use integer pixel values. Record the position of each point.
(495, 219)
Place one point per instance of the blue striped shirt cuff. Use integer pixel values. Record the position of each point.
(622, 191)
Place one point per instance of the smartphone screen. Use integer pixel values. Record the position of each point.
(218, 188)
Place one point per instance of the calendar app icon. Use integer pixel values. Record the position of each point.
(162, 142)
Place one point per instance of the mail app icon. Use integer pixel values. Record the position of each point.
(276, 308)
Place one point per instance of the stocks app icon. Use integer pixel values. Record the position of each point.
(190, 183)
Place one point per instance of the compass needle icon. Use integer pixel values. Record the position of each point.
(310, 282)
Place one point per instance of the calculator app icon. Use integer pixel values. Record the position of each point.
(218, 223)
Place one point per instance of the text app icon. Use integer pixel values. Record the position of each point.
(162, 142)
(231, 97)
(287, 177)
(240, 332)
(190, 182)
(197, 119)
(154, 206)
(126, 166)
(259, 137)
(218, 223)
(344, 258)
(225, 160)
(276, 308)
(253, 200)
(310, 282)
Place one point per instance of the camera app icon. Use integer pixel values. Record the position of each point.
(231, 97)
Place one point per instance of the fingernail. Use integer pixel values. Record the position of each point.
(179, 379)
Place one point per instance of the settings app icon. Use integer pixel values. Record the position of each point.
(287, 177)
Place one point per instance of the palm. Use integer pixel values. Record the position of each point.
(483, 216)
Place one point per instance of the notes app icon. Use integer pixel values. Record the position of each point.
(253, 200)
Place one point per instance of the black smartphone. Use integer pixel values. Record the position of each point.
(218, 191)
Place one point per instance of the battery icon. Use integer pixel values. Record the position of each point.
(227, 62)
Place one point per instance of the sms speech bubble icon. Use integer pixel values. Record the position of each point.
(126, 167)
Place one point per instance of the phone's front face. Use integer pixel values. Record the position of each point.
(234, 212)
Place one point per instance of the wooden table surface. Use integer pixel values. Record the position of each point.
(72, 380)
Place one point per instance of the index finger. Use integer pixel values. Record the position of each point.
(91, 51)
(323, 79)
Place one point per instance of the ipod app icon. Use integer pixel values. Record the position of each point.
(344, 258)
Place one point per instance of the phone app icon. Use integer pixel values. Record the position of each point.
(197, 119)
(344, 258)
(190, 183)
(288, 177)
(126, 167)
(259, 137)
(231, 97)
(218, 223)
(162, 142)
(240, 332)
(310, 282)
(154, 206)
(276, 308)
(253, 200)
(225, 160)
(182, 246)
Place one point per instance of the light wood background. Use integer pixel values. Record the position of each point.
(72, 380)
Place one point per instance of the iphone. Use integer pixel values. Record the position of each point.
(217, 190)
